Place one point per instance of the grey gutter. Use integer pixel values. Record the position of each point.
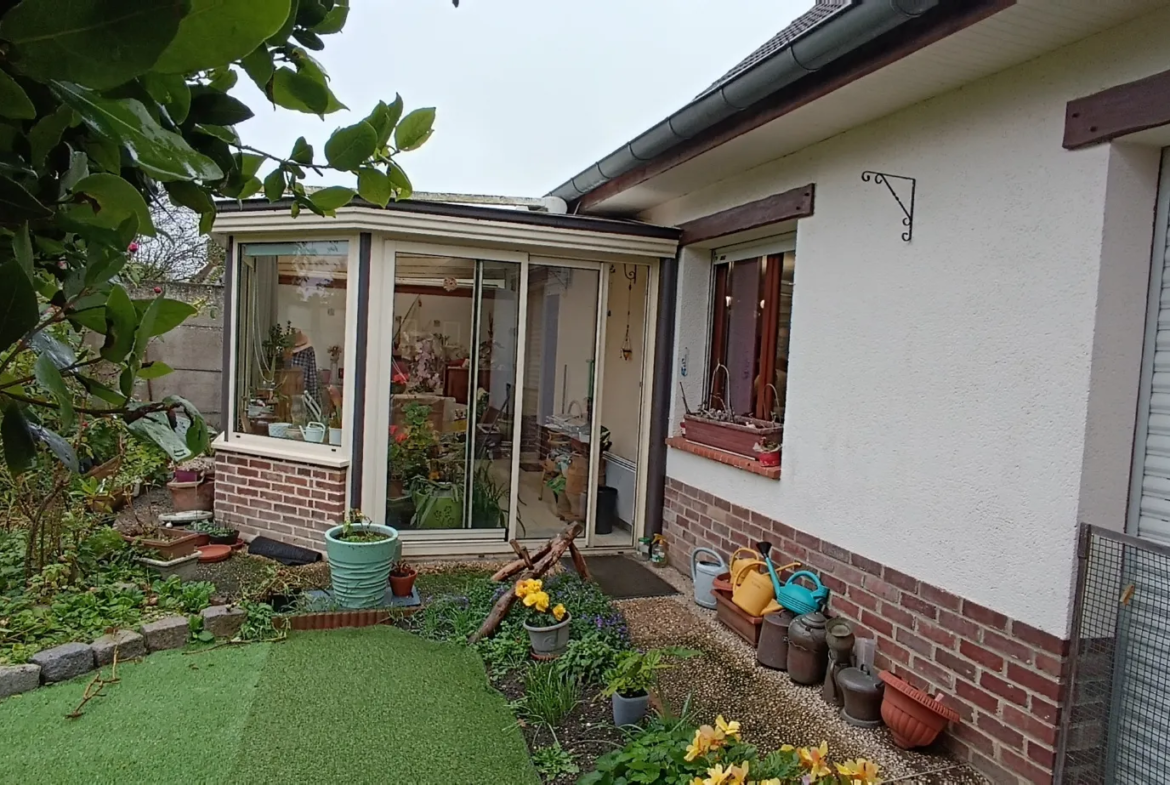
(834, 36)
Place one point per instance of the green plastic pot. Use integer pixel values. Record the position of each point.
(360, 570)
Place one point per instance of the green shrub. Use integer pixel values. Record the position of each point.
(548, 696)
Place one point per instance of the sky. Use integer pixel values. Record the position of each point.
(528, 92)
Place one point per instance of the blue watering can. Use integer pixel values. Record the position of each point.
(704, 574)
(792, 595)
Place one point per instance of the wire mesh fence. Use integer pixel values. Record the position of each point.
(1116, 721)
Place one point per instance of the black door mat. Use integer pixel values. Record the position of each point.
(624, 578)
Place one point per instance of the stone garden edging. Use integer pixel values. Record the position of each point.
(70, 660)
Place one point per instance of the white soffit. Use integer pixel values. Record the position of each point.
(1015, 35)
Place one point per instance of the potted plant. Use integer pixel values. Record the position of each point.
(360, 554)
(197, 492)
(487, 499)
(630, 680)
(222, 535)
(717, 426)
(402, 577)
(769, 451)
(547, 624)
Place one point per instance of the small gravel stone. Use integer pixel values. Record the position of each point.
(64, 662)
(128, 645)
(223, 621)
(169, 632)
(15, 679)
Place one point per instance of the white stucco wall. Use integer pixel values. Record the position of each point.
(938, 397)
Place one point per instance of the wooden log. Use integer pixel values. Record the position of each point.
(553, 554)
(522, 552)
(513, 567)
(579, 562)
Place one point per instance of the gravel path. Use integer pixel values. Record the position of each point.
(774, 711)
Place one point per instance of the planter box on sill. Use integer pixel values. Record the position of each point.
(730, 437)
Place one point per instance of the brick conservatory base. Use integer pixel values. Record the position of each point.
(287, 501)
(1003, 676)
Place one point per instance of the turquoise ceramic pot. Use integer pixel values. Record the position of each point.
(361, 570)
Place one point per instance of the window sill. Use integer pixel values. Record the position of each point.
(315, 455)
(726, 458)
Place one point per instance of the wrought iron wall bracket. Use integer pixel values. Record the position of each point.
(881, 178)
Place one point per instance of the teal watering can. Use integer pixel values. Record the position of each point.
(792, 595)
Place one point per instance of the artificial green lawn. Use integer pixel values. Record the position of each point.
(370, 705)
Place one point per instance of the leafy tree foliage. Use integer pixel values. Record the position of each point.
(108, 107)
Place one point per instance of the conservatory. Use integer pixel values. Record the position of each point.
(487, 376)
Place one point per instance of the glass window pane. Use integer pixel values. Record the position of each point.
(743, 335)
(291, 340)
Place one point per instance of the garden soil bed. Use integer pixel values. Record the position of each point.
(587, 733)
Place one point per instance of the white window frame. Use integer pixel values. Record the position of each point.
(232, 440)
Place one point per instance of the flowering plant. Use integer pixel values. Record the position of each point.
(716, 755)
(538, 605)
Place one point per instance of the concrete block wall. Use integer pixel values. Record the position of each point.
(285, 500)
(1005, 678)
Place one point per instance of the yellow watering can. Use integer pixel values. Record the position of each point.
(751, 587)
(741, 556)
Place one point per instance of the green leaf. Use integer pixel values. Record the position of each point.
(294, 90)
(102, 265)
(19, 450)
(14, 101)
(309, 40)
(99, 43)
(18, 304)
(50, 378)
(400, 181)
(104, 152)
(374, 186)
(101, 391)
(217, 32)
(281, 35)
(154, 370)
(414, 129)
(384, 118)
(117, 199)
(145, 329)
(162, 154)
(17, 205)
(78, 169)
(22, 250)
(189, 195)
(329, 199)
(228, 135)
(259, 66)
(351, 146)
(60, 354)
(170, 90)
(197, 436)
(57, 445)
(169, 314)
(205, 636)
(274, 185)
(223, 79)
(214, 108)
(121, 324)
(302, 152)
(334, 20)
(46, 134)
(157, 429)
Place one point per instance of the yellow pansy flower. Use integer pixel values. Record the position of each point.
(559, 612)
(727, 728)
(860, 772)
(738, 774)
(769, 781)
(525, 588)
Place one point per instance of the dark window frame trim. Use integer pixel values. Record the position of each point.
(1116, 111)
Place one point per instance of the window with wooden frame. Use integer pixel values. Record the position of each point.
(751, 318)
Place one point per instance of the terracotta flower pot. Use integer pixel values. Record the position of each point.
(403, 585)
(913, 717)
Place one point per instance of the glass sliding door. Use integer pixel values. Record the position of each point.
(557, 458)
(491, 418)
(453, 355)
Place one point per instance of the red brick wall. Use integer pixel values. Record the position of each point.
(1004, 677)
(287, 501)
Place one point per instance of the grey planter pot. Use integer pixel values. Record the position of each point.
(550, 641)
(629, 711)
